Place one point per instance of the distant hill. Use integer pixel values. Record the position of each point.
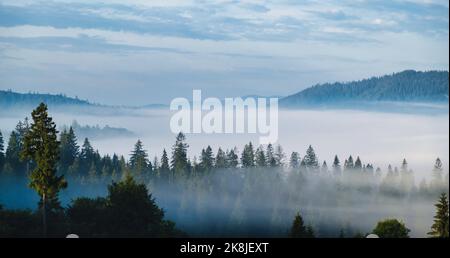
(97, 132)
(406, 86)
(14, 99)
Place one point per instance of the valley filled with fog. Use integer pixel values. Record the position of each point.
(378, 138)
(381, 139)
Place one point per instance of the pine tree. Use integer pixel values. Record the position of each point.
(437, 176)
(179, 162)
(260, 157)
(232, 158)
(324, 168)
(336, 166)
(86, 156)
(358, 164)
(221, 159)
(299, 230)
(270, 156)
(294, 161)
(440, 227)
(164, 168)
(279, 156)
(207, 159)
(2, 154)
(248, 156)
(310, 159)
(41, 146)
(13, 164)
(69, 149)
(139, 162)
(349, 165)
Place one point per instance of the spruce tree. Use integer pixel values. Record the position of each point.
(179, 162)
(336, 166)
(294, 161)
(86, 156)
(232, 158)
(440, 227)
(164, 168)
(69, 149)
(270, 156)
(139, 162)
(310, 159)
(207, 159)
(260, 157)
(279, 156)
(2, 154)
(437, 176)
(221, 159)
(358, 164)
(13, 164)
(41, 146)
(248, 156)
(299, 230)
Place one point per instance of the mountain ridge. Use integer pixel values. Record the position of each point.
(405, 86)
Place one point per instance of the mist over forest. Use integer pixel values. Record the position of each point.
(341, 184)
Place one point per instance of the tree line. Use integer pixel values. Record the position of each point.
(231, 183)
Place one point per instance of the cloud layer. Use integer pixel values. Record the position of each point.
(151, 51)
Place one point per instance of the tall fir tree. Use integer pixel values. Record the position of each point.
(299, 230)
(279, 156)
(86, 156)
(270, 156)
(336, 166)
(440, 227)
(294, 160)
(221, 159)
(232, 158)
(69, 149)
(207, 159)
(2, 153)
(260, 157)
(13, 163)
(310, 159)
(248, 156)
(41, 145)
(179, 162)
(358, 164)
(164, 169)
(139, 163)
(437, 176)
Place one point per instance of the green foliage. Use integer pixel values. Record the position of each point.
(2, 153)
(248, 156)
(391, 228)
(404, 86)
(310, 159)
(299, 230)
(69, 149)
(179, 162)
(206, 159)
(294, 160)
(221, 159)
(139, 163)
(440, 227)
(128, 211)
(18, 223)
(41, 146)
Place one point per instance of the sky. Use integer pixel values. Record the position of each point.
(141, 52)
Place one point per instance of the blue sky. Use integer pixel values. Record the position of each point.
(139, 52)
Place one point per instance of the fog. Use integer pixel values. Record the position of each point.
(264, 202)
(378, 138)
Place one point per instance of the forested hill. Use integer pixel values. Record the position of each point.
(14, 99)
(406, 86)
